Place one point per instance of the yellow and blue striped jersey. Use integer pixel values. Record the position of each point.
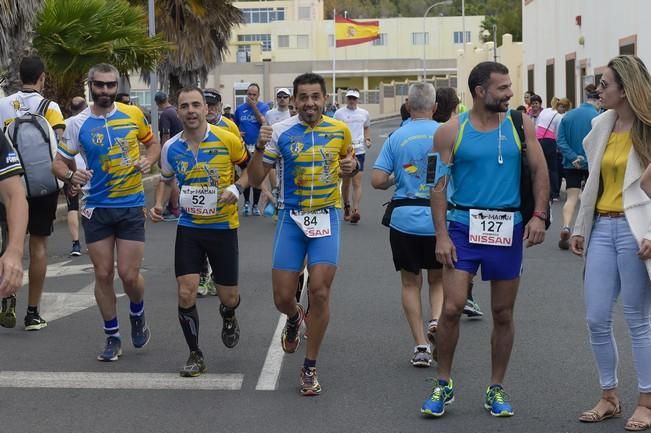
(110, 146)
(308, 162)
(212, 166)
(229, 125)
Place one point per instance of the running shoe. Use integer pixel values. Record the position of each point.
(355, 217)
(76, 249)
(347, 212)
(431, 336)
(247, 209)
(256, 211)
(230, 329)
(8, 312)
(564, 243)
(309, 382)
(204, 285)
(34, 322)
(140, 333)
(472, 310)
(442, 395)
(194, 366)
(422, 356)
(112, 351)
(498, 401)
(290, 338)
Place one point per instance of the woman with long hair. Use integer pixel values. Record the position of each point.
(612, 231)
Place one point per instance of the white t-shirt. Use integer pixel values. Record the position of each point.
(24, 102)
(275, 116)
(549, 118)
(356, 120)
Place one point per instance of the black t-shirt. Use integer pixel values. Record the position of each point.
(9, 162)
(169, 122)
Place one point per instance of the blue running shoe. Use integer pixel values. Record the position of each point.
(139, 331)
(442, 395)
(498, 401)
(112, 351)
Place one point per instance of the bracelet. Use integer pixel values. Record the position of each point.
(260, 148)
(233, 189)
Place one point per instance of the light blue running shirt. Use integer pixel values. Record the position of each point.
(404, 154)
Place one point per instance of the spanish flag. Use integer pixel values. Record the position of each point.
(349, 32)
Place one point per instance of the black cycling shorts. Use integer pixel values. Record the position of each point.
(221, 247)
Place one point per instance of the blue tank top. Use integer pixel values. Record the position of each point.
(480, 180)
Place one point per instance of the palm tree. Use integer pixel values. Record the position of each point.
(200, 31)
(72, 35)
(16, 20)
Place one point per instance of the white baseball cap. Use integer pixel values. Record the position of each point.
(352, 92)
(284, 90)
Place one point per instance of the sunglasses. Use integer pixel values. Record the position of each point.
(107, 84)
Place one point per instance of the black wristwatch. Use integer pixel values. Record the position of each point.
(68, 175)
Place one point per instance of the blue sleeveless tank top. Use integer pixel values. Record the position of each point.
(481, 178)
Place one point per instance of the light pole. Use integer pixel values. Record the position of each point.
(441, 3)
(153, 75)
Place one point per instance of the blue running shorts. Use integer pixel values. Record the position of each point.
(291, 245)
(497, 263)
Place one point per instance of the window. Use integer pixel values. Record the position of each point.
(627, 49)
(530, 83)
(570, 80)
(141, 97)
(419, 38)
(550, 82)
(265, 39)
(304, 12)
(283, 41)
(381, 41)
(303, 41)
(263, 15)
(458, 35)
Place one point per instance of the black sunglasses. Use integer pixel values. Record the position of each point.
(107, 84)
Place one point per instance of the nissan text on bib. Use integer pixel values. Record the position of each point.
(491, 227)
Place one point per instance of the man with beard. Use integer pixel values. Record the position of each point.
(310, 150)
(42, 210)
(202, 160)
(485, 226)
(108, 136)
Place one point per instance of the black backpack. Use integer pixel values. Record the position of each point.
(527, 201)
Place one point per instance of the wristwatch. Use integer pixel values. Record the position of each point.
(540, 214)
(69, 175)
(259, 148)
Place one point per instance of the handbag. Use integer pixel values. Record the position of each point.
(527, 198)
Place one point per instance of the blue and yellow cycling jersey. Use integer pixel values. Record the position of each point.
(229, 125)
(308, 162)
(110, 146)
(212, 166)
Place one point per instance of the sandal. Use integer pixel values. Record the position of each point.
(637, 425)
(592, 415)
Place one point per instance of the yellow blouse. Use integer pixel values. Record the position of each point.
(613, 167)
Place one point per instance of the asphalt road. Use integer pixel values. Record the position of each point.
(51, 382)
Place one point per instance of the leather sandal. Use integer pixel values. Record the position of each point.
(592, 415)
(637, 425)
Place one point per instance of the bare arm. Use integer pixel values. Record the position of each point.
(380, 179)
(534, 232)
(257, 170)
(367, 137)
(12, 194)
(443, 143)
(163, 190)
(152, 155)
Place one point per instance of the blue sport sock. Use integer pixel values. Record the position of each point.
(136, 309)
(112, 328)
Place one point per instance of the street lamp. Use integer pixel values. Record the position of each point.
(441, 3)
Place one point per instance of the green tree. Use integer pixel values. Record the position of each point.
(16, 20)
(72, 35)
(199, 32)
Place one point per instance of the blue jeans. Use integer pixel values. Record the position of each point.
(613, 268)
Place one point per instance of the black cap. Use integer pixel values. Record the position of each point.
(160, 97)
(212, 96)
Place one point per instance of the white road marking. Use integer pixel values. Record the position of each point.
(384, 135)
(63, 268)
(268, 380)
(57, 305)
(94, 380)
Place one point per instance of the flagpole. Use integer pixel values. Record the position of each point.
(334, 57)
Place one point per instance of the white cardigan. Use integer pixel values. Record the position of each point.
(637, 205)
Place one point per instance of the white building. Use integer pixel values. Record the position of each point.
(568, 43)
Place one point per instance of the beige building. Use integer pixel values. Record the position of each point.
(284, 38)
(568, 43)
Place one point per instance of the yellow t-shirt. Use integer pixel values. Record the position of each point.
(613, 167)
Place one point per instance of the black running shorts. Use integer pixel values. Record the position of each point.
(124, 223)
(413, 253)
(221, 247)
(42, 213)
